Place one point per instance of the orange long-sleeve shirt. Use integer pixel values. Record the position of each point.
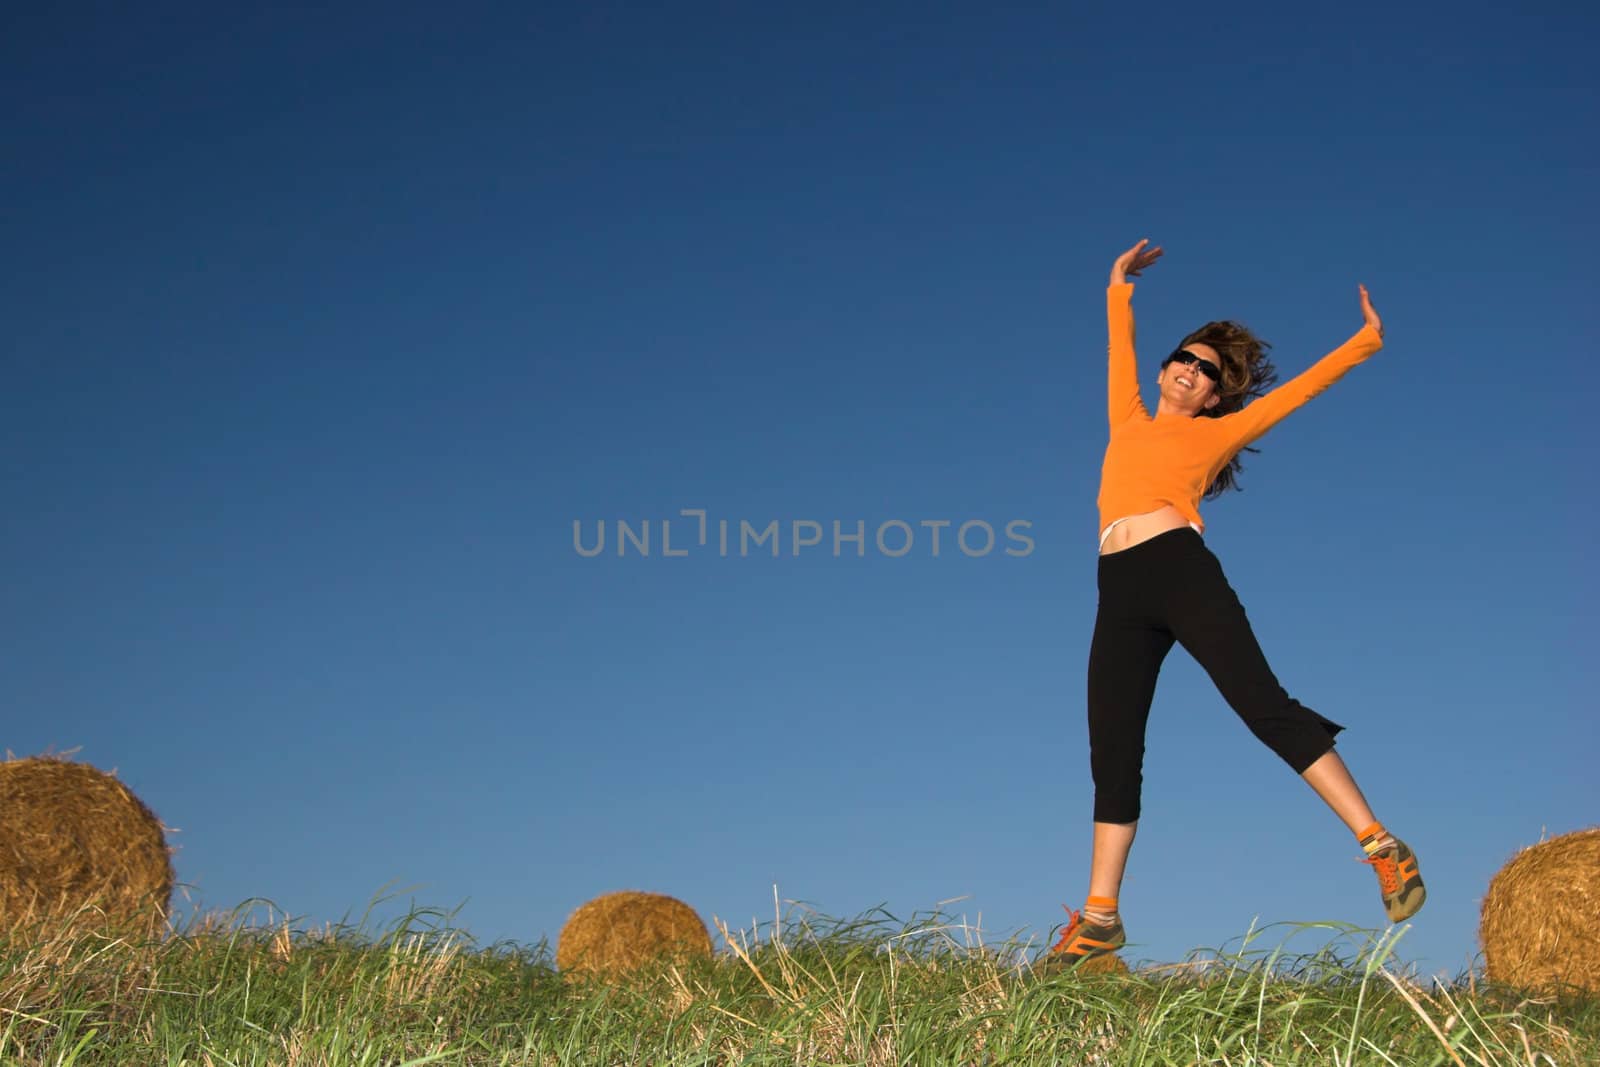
(1172, 459)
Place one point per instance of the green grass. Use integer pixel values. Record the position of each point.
(802, 990)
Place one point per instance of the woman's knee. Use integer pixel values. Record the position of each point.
(1298, 735)
(1116, 808)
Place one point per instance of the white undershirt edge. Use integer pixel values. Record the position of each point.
(1107, 531)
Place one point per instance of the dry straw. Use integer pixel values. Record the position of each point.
(1541, 917)
(1058, 962)
(620, 932)
(74, 841)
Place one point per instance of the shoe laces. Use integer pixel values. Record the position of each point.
(1388, 871)
(1074, 920)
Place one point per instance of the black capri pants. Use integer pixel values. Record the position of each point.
(1171, 588)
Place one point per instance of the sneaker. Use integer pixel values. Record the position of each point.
(1403, 893)
(1082, 940)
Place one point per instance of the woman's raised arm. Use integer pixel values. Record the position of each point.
(1122, 374)
(1264, 413)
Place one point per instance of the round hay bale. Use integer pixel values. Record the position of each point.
(619, 932)
(74, 841)
(1540, 926)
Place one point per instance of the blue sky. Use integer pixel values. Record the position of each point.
(325, 327)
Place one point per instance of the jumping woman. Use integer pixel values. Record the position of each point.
(1160, 584)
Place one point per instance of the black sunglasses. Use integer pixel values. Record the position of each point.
(1189, 359)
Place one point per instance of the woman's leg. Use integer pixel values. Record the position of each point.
(1125, 659)
(1112, 842)
(1332, 781)
(1210, 623)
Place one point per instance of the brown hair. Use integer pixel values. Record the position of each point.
(1246, 373)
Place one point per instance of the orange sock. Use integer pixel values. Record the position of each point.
(1100, 909)
(1374, 838)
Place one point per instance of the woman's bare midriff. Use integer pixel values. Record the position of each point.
(1134, 529)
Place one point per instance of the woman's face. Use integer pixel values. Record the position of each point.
(1186, 388)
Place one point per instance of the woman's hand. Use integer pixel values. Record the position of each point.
(1134, 260)
(1370, 313)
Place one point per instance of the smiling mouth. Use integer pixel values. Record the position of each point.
(1185, 382)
